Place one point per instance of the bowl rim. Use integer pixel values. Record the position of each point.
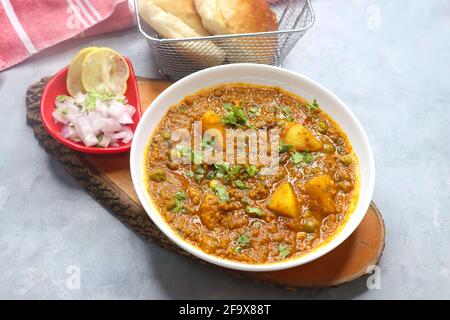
(78, 146)
(137, 166)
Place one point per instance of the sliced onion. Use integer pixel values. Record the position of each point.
(69, 132)
(95, 120)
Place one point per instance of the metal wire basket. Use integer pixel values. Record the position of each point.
(177, 58)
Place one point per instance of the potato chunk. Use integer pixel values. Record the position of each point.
(284, 201)
(322, 191)
(211, 120)
(300, 138)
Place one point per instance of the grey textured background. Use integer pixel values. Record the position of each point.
(394, 75)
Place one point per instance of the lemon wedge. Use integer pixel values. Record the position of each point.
(73, 82)
(105, 71)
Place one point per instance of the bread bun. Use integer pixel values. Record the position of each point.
(222, 17)
(175, 19)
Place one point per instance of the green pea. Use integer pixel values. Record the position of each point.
(309, 224)
(346, 160)
(308, 213)
(323, 127)
(166, 135)
(328, 148)
(344, 186)
(157, 175)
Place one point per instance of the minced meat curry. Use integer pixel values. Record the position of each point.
(233, 211)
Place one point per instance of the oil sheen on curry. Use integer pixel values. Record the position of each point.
(235, 212)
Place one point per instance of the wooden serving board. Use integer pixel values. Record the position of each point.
(107, 179)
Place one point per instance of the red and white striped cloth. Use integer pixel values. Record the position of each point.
(29, 26)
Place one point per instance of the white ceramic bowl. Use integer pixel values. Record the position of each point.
(262, 75)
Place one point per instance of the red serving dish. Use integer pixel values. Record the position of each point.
(57, 86)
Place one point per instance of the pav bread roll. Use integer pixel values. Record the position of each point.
(179, 19)
(221, 17)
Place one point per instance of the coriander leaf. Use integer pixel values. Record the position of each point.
(255, 210)
(283, 250)
(198, 173)
(312, 106)
(223, 170)
(211, 174)
(315, 104)
(285, 147)
(255, 111)
(179, 199)
(220, 191)
(222, 166)
(252, 170)
(301, 157)
(107, 96)
(235, 117)
(62, 98)
(228, 106)
(89, 102)
(180, 195)
(233, 172)
(229, 119)
(240, 185)
(197, 157)
(286, 112)
(243, 239)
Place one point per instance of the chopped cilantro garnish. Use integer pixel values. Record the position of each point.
(198, 173)
(301, 157)
(283, 250)
(312, 106)
(62, 98)
(255, 210)
(286, 112)
(231, 174)
(240, 185)
(220, 191)
(179, 199)
(197, 157)
(89, 102)
(228, 106)
(251, 170)
(243, 239)
(223, 170)
(222, 167)
(235, 117)
(284, 147)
